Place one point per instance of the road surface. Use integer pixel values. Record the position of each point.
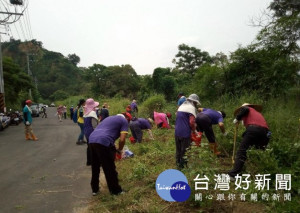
(48, 175)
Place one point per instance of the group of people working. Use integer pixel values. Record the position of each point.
(101, 132)
(190, 119)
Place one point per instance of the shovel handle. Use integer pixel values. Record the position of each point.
(234, 142)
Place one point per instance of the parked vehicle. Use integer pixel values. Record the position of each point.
(35, 112)
(4, 121)
(15, 117)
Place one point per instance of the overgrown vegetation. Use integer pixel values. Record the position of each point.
(138, 174)
(265, 72)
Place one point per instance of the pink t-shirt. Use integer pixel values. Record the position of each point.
(161, 118)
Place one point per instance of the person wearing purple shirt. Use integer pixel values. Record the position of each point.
(205, 119)
(103, 150)
(136, 127)
(134, 108)
(90, 123)
(184, 126)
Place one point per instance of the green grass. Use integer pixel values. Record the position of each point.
(138, 175)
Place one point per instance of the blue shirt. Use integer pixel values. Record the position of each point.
(182, 125)
(27, 115)
(181, 100)
(109, 130)
(215, 116)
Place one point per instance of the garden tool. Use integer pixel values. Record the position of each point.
(234, 142)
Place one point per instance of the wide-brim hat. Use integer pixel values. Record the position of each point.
(194, 98)
(257, 107)
(90, 104)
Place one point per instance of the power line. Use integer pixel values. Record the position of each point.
(28, 22)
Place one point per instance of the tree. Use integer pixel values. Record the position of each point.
(209, 81)
(157, 78)
(15, 80)
(74, 59)
(169, 87)
(283, 30)
(113, 80)
(261, 70)
(97, 76)
(189, 59)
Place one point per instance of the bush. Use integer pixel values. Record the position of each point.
(59, 95)
(154, 103)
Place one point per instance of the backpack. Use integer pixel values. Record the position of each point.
(75, 116)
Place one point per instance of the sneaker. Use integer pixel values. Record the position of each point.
(79, 143)
(95, 193)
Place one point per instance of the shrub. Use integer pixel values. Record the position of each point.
(154, 103)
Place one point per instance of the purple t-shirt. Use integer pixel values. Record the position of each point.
(215, 116)
(144, 123)
(182, 125)
(133, 106)
(109, 130)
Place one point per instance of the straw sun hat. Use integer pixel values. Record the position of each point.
(254, 106)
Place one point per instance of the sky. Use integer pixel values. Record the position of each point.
(144, 34)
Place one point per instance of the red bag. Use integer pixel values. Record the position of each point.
(132, 140)
(118, 156)
(197, 138)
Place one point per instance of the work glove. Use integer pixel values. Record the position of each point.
(235, 121)
(225, 134)
(27, 123)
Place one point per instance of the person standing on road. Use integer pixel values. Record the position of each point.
(71, 112)
(184, 126)
(65, 112)
(80, 121)
(103, 149)
(29, 135)
(60, 109)
(90, 123)
(257, 134)
(205, 119)
(44, 112)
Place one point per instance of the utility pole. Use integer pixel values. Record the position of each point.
(29, 73)
(2, 96)
(4, 21)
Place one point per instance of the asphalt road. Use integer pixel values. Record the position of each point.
(48, 175)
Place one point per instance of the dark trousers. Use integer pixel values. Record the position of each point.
(253, 136)
(88, 153)
(105, 157)
(44, 115)
(136, 131)
(71, 115)
(182, 144)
